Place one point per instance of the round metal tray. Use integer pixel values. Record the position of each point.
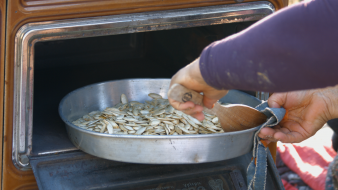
(178, 149)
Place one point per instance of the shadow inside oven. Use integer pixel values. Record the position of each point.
(65, 65)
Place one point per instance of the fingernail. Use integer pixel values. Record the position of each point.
(190, 107)
(274, 105)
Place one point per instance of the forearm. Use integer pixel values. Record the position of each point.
(293, 49)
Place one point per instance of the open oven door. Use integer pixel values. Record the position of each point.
(78, 170)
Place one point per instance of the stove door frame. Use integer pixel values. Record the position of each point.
(31, 33)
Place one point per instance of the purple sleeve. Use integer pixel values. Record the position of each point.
(293, 49)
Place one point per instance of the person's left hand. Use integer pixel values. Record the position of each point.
(191, 78)
(307, 112)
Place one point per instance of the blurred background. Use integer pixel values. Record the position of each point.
(294, 1)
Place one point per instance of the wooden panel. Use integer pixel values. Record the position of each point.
(2, 65)
(286, 2)
(21, 12)
(273, 149)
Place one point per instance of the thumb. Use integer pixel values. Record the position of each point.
(277, 100)
(211, 96)
(208, 102)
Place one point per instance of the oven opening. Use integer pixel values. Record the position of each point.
(65, 65)
(54, 58)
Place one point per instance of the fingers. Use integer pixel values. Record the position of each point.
(181, 106)
(268, 133)
(277, 100)
(281, 134)
(188, 108)
(199, 116)
(193, 110)
(211, 96)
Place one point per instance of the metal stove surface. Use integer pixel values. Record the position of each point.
(78, 170)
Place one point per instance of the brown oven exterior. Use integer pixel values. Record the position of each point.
(2, 72)
(16, 13)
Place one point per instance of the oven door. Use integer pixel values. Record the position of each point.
(78, 170)
(56, 57)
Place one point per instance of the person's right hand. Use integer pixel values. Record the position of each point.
(191, 78)
(307, 112)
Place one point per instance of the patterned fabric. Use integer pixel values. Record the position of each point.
(332, 175)
(289, 176)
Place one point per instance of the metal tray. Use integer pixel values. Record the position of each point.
(178, 149)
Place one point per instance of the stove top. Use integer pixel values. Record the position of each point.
(79, 170)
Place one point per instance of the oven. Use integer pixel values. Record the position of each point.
(53, 57)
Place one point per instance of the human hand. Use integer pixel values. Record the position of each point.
(307, 112)
(191, 78)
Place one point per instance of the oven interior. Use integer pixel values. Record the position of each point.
(65, 65)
